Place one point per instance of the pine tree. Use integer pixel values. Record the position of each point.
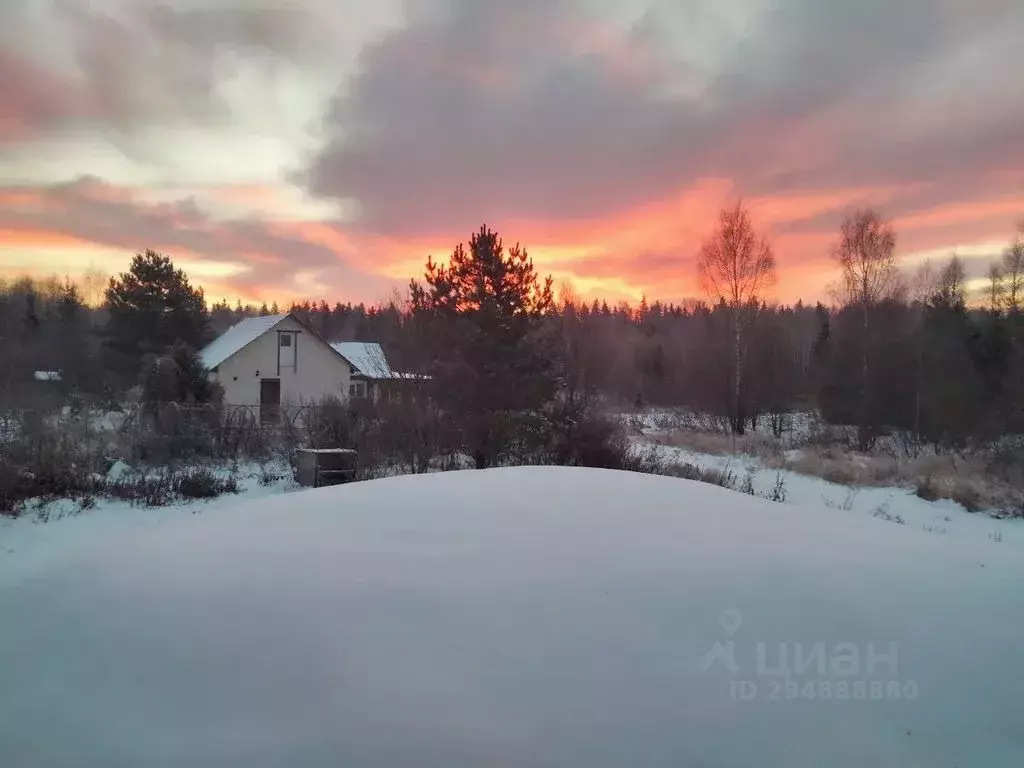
(151, 307)
(485, 309)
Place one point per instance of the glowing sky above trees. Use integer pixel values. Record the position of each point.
(285, 148)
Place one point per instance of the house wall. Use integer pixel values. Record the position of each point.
(319, 371)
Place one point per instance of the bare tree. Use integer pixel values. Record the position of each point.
(866, 253)
(995, 287)
(950, 286)
(922, 283)
(735, 265)
(1011, 274)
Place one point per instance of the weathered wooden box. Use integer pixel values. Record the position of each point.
(317, 467)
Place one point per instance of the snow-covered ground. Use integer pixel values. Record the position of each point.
(941, 517)
(526, 616)
(49, 531)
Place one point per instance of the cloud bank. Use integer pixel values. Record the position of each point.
(602, 135)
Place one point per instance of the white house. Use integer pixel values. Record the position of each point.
(267, 362)
(273, 361)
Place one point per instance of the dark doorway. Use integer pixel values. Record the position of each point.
(270, 401)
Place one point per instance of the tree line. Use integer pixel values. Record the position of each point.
(511, 355)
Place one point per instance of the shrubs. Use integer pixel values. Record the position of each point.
(144, 490)
(882, 513)
(202, 483)
(968, 498)
(926, 489)
(778, 490)
(47, 458)
(963, 492)
(581, 436)
(578, 436)
(178, 377)
(163, 489)
(724, 478)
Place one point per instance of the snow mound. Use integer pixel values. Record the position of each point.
(119, 472)
(530, 616)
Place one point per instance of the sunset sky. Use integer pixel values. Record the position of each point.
(323, 148)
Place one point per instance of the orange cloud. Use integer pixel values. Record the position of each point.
(648, 249)
(964, 213)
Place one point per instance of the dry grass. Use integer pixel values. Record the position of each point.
(978, 481)
(717, 444)
(966, 480)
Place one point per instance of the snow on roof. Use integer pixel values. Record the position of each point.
(507, 616)
(367, 357)
(236, 337)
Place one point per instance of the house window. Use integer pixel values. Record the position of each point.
(357, 389)
(286, 339)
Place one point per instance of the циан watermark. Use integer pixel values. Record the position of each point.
(800, 670)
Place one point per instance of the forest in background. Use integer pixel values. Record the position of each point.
(894, 351)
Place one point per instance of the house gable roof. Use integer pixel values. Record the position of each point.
(246, 331)
(236, 337)
(368, 358)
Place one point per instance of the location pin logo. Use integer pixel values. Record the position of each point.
(731, 621)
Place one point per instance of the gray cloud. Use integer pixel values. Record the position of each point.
(519, 110)
(486, 110)
(132, 64)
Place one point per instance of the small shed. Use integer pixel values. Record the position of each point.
(318, 467)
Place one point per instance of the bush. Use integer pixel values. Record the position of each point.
(724, 478)
(646, 461)
(926, 490)
(747, 486)
(149, 491)
(268, 476)
(165, 488)
(201, 483)
(15, 487)
(968, 498)
(576, 435)
(46, 458)
(882, 513)
(178, 377)
(778, 491)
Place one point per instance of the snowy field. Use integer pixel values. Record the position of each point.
(51, 530)
(514, 617)
(899, 506)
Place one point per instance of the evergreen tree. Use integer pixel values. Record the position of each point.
(151, 307)
(490, 374)
(178, 376)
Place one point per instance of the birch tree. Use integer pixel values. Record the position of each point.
(735, 266)
(866, 254)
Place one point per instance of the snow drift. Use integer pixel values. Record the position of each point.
(556, 617)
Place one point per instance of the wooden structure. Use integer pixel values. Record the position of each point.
(325, 466)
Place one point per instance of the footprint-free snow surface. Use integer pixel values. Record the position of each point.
(518, 617)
